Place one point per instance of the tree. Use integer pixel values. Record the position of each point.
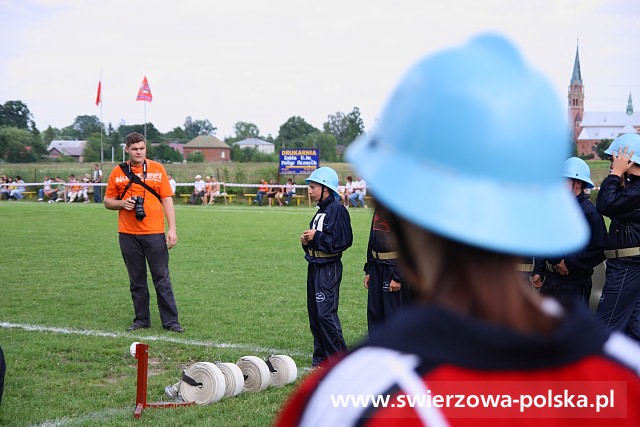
(325, 142)
(196, 157)
(16, 114)
(244, 130)
(83, 126)
(293, 133)
(20, 145)
(345, 128)
(193, 128)
(49, 135)
(176, 135)
(163, 153)
(602, 146)
(355, 126)
(153, 134)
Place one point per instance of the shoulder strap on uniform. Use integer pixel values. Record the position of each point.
(133, 178)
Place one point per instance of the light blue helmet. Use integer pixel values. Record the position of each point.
(577, 168)
(325, 176)
(630, 140)
(483, 135)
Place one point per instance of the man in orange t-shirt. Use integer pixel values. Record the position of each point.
(142, 231)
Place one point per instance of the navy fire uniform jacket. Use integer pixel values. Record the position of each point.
(324, 274)
(622, 206)
(580, 264)
(381, 266)
(333, 232)
(429, 366)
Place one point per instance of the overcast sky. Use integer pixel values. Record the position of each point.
(263, 61)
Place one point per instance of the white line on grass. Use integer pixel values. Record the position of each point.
(66, 421)
(210, 344)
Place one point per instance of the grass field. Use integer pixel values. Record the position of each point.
(239, 277)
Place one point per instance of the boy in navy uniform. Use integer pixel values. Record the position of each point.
(329, 234)
(387, 292)
(619, 199)
(570, 276)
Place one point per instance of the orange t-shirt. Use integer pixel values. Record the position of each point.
(157, 179)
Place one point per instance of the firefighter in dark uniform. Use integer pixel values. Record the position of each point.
(619, 199)
(570, 276)
(387, 292)
(329, 234)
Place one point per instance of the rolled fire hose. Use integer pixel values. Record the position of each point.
(284, 370)
(202, 383)
(255, 372)
(234, 380)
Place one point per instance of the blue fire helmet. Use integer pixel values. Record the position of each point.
(629, 140)
(577, 168)
(325, 176)
(484, 136)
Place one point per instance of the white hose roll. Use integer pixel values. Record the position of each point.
(286, 370)
(212, 380)
(233, 378)
(255, 372)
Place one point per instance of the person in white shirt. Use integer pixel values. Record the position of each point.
(348, 191)
(359, 188)
(198, 191)
(97, 179)
(45, 190)
(172, 183)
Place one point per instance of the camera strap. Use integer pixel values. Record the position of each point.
(135, 179)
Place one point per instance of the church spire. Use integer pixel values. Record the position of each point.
(576, 77)
(630, 106)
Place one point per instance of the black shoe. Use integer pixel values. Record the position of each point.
(136, 326)
(175, 328)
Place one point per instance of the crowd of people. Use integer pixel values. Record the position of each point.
(11, 188)
(55, 189)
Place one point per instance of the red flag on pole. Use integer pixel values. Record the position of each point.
(144, 93)
(99, 95)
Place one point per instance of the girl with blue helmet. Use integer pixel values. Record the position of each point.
(329, 235)
(569, 276)
(487, 133)
(619, 199)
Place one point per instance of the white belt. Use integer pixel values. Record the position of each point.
(621, 253)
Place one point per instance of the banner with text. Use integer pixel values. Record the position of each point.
(299, 160)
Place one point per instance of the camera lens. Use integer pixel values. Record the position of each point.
(139, 208)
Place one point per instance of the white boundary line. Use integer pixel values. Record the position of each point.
(67, 421)
(210, 344)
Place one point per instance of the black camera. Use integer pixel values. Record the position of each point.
(139, 208)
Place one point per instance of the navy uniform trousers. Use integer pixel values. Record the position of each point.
(619, 306)
(138, 250)
(382, 304)
(323, 291)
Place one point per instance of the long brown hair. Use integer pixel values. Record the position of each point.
(471, 280)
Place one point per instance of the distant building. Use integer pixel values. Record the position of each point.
(211, 148)
(58, 148)
(590, 128)
(257, 144)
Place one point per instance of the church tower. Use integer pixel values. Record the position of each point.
(576, 98)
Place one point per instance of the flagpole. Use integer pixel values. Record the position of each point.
(145, 120)
(99, 101)
(101, 132)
